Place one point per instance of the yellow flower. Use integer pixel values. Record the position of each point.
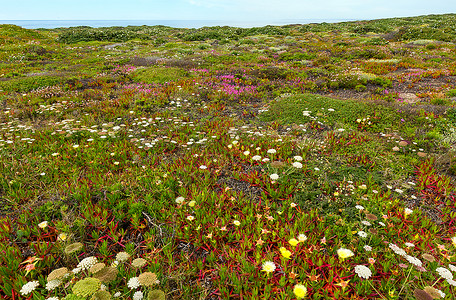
(62, 237)
(293, 242)
(192, 203)
(285, 253)
(453, 240)
(236, 222)
(300, 291)
(344, 253)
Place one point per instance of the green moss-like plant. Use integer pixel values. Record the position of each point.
(156, 295)
(101, 295)
(86, 286)
(73, 297)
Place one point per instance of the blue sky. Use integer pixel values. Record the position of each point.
(252, 10)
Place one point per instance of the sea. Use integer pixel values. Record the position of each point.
(49, 24)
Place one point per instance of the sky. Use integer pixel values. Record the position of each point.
(252, 10)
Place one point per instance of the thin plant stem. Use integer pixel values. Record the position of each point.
(405, 281)
(380, 294)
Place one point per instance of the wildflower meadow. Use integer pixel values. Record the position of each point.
(309, 161)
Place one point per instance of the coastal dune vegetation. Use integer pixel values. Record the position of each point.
(311, 161)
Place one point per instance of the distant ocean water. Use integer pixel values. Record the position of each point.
(34, 24)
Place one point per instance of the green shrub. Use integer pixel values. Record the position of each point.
(30, 83)
(158, 75)
(451, 93)
(384, 82)
(360, 88)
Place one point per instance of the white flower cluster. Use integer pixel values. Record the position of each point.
(51, 285)
(399, 251)
(87, 263)
(138, 295)
(413, 260)
(133, 283)
(29, 287)
(362, 234)
(363, 271)
(444, 273)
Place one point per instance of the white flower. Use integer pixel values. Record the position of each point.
(451, 282)
(409, 245)
(397, 250)
(87, 262)
(246, 153)
(363, 271)
(274, 176)
(50, 285)
(75, 146)
(297, 165)
(367, 248)
(138, 295)
(236, 222)
(317, 169)
(302, 237)
(367, 223)
(190, 218)
(452, 268)
(381, 223)
(359, 207)
(29, 287)
(272, 151)
(55, 154)
(52, 298)
(203, 167)
(445, 273)
(76, 270)
(297, 158)
(122, 256)
(256, 157)
(117, 294)
(306, 113)
(133, 283)
(268, 266)
(179, 200)
(362, 234)
(43, 224)
(407, 211)
(413, 260)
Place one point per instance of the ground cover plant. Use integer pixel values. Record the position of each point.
(298, 162)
